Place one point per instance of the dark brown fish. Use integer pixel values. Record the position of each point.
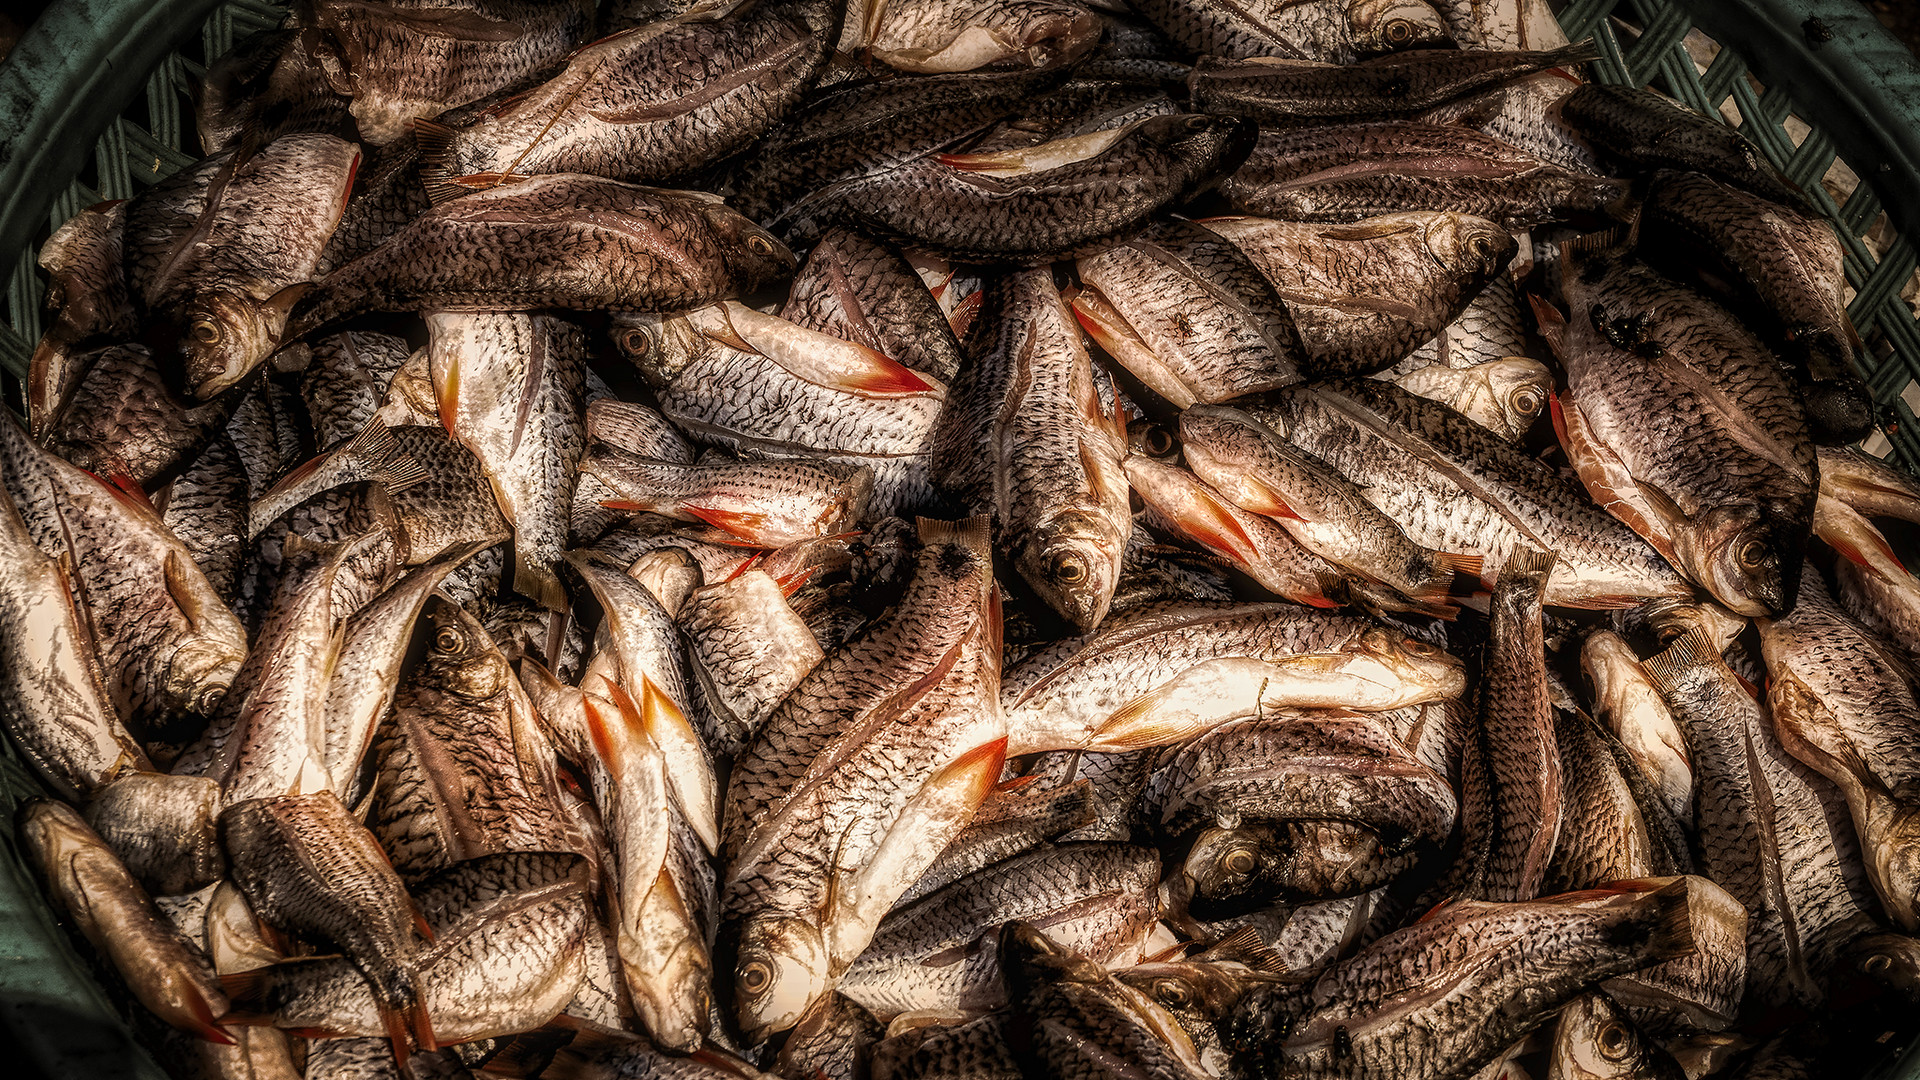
(1653, 131)
(87, 296)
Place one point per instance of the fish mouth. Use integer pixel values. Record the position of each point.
(1753, 567)
(1074, 570)
(781, 970)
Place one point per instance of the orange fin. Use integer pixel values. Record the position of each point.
(961, 318)
(395, 1023)
(743, 524)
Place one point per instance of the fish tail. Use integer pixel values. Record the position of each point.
(385, 459)
(1667, 670)
(436, 152)
(1578, 52)
(974, 532)
(247, 993)
(395, 1023)
(1672, 931)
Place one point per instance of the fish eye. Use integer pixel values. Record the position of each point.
(1614, 1041)
(1527, 401)
(1157, 442)
(636, 342)
(1399, 32)
(1069, 569)
(756, 976)
(1877, 964)
(1198, 123)
(205, 331)
(1238, 861)
(1172, 993)
(447, 640)
(209, 700)
(1753, 554)
(759, 245)
(1481, 246)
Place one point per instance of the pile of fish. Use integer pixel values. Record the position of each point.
(963, 539)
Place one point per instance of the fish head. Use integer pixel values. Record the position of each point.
(1507, 394)
(1382, 26)
(1594, 1040)
(1470, 248)
(1432, 669)
(1074, 566)
(780, 971)
(1151, 439)
(1893, 960)
(200, 672)
(462, 659)
(1028, 957)
(228, 334)
(661, 346)
(754, 256)
(1751, 558)
(1200, 996)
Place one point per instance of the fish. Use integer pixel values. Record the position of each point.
(1349, 172)
(1653, 131)
(938, 955)
(1639, 719)
(1364, 295)
(1203, 991)
(1843, 704)
(225, 249)
(163, 829)
(165, 639)
(1452, 485)
(1169, 671)
(866, 292)
(1330, 31)
(347, 376)
(1282, 92)
(510, 389)
(875, 759)
(1505, 396)
(653, 250)
(646, 104)
(87, 297)
(834, 1040)
(306, 865)
(1730, 505)
(1785, 269)
(462, 768)
(1262, 473)
(1513, 965)
(1593, 1039)
(1188, 315)
(1762, 829)
(418, 58)
(1610, 830)
(167, 975)
(452, 508)
(1023, 207)
(763, 504)
(1028, 442)
(124, 420)
(1510, 818)
(1019, 815)
(931, 38)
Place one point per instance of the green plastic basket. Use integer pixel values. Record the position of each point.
(96, 104)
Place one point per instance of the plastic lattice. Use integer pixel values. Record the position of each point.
(1654, 43)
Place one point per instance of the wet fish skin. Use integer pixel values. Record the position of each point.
(1641, 722)
(1454, 486)
(834, 1040)
(1786, 269)
(453, 507)
(417, 58)
(346, 379)
(544, 229)
(1843, 704)
(1027, 441)
(1650, 130)
(818, 822)
(124, 420)
(1609, 830)
(1354, 171)
(1032, 217)
(166, 973)
(938, 954)
(746, 648)
(865, 291)
(1332, 31)
(306, 865)
(1284, 93)
(1014, 819)
(163, 828)
(1188, 315)
(647, 104)
(1364, 295)
(1414, 1008)
(1505, 396)
(1730, 505)
(1762, 828)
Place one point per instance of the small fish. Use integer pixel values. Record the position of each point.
(87, 296)
(1633, 711)
(1332, 31)
(1505, 396)
(307, 865)
(163, 828)
(934, 36)
(867, 292)
(124, 420)
(1654, 131)
(763, 504)
(1595, 1040)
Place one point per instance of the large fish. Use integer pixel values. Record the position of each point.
(1331, 31)
(564, 240)
(1168, 671)
(647, 104)
(1731, 504)
(858, 779)
(1027, 441)
(933, 36)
